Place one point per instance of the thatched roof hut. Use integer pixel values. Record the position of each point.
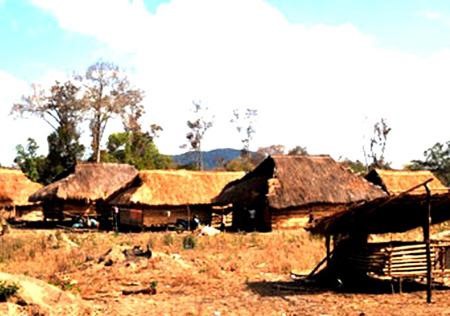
(161, 197)
(355, 255)
(173, 188)
(298, 185)
(395, 182)
(15, 188)
(385, 215)
(90, 182)
(301, 180)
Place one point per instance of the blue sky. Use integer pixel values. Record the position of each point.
(399, 24)
(34, 41)
(320, 72)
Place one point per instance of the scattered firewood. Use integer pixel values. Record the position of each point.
(151, 289)
(147, 290)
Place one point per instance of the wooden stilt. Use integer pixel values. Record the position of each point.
(426, 236)
(188, 218)
(328, 246)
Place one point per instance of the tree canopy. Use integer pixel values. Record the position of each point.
(198, 126)
(62, 108)
(437, 160)
(108, 93)
(137, 149)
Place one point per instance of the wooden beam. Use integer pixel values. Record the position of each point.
(426, 235)
(328, 246)
(188, 217)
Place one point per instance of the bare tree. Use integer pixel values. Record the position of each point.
(244, 122)
(155, 129)
(271, 150)
(59, 107)
(377, 145)
(108, 93)
(197, 129)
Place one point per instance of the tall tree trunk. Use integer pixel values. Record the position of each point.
(96, 130)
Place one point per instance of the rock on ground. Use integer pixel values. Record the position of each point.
(40, 296)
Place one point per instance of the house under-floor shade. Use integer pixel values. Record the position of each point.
(15, 188)
(84, 191)
(160, 197)
(417, 200)
(288, 191)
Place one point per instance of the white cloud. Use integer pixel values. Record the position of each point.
(322, 86)
(431, 15)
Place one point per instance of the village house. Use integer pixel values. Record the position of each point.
(156, 198)
(395, 182)
(292, 191)
(83, 192)
(370, 241)
(15, 188)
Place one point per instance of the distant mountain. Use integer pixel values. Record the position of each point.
(211, 159)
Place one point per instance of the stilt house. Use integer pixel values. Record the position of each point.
(417, 200)
(160, 197)
(290, 191)
(84, 191)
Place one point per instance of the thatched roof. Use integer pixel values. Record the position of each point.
(15, 187)
(174, 188)
(291, 181)
(397, 181)
(387, 214)
(89, 182)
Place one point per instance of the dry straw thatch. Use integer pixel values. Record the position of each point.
(89, 182)
(174, 188)
(389, 214)
(292, 181)
(397, 181)
(15, 188)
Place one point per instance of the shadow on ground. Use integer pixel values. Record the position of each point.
(368, 286)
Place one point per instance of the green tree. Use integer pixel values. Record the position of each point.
(240, 164)
(135, 148)
(298, 150)
(61, 107)
(437, 160)
(355, 166)
(108, 93)
(29, 161)
(64, 150)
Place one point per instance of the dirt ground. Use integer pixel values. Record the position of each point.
(227, 274)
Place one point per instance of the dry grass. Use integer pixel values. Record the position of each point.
(230, 274)
(44, 254)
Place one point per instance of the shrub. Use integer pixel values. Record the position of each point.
(7, 290)
(189, 242)
(168, 239)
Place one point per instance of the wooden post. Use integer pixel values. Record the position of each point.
(188, 218)
(426, 236)
(328, 245)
